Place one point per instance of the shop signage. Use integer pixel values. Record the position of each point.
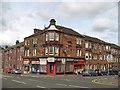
(43, 61)
(51, 59)
(79, 60)
(69, 59)
(26, 62)
(63, 61)
(60, 59)
(109, 58)
(35, 62)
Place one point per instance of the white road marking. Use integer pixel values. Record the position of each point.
(35, 80)
(18, 77)
(5, 78)
(78, 86)
(61, 84)
(40, 86)
(18, 81)
(66, 80)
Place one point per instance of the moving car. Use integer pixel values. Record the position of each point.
(89, 73)
(15, 71)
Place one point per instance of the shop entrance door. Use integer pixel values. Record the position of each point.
(51, 69)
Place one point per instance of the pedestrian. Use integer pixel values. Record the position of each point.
(76, 72)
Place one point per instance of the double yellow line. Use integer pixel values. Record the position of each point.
(96, 81)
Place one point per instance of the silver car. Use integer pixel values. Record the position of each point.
(15, 71)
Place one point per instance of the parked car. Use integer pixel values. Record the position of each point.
(119, 73)
(89, 73)
(8, 71)
(103, 72)
(112, 71)
(15, 71)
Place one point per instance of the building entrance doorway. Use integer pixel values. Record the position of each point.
(51, 69)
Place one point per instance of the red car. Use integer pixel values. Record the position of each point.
(8, 70)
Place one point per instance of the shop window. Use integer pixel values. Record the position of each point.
(42, 68)
(51, 36)
(60, 67)
(69, 67)
(35, 68)
(51, 50)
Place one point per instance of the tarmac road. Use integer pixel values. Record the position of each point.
(59, 81)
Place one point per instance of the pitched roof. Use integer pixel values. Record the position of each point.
(15, 46)
(35, 34)
(68, 30)
(93, 39)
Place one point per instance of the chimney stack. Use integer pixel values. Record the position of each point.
(17, 41)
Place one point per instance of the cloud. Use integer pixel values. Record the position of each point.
(101, 24)
(82, 9)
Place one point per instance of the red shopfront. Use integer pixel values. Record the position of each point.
(55, 66)
(26, 66)
(79, 64)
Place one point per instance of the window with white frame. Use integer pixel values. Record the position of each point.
(28, 52)
(56, 51)
(25, 42)
(51, 50)
(46, 37)
(46, 50)
(90, 44)
(90, 56)
(95, 56)
(34, 52)
(78, 40)
(51, 36)
(57, 37)
(86, 55)
(25, 53)
(78, 52)
(34, 40)
(100, 57)
(104, 57)
(86, 44)
(107, 47)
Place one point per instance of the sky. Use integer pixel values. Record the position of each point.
(97, 18)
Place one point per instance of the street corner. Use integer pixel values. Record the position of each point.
(106, 81)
